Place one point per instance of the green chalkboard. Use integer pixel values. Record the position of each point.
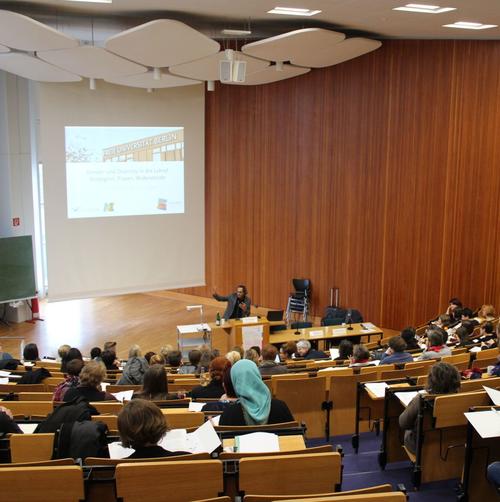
(17, 271)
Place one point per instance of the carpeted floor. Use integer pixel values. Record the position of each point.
(362, 470)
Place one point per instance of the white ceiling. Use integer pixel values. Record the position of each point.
(374, 17)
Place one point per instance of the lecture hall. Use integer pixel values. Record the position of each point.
(249, 251)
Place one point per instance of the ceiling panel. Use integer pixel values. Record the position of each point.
(298, 43)
(147, 81)
(208, 68)
(35, 69)
(270, 74)
(343, 51)
(23, 33)
(91, 62)
(158, 43)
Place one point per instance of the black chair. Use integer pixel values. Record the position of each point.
(329, 321)
(298, 301)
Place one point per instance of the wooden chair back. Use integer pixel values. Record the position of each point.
(93, 461)
(181, 418)
(179, 386)
(305, 398)
(449, 410)
(369, 497)
(54, 483)
(420, 364)
(29, 408)
(387, 488)
(107, 407)
(35, 396)
(53, 380)
(460, 361)
(31, 447)
(110, 420)
(265, 427)
(486, 358)
(326, 448)
(181, 480)
(216, 499)
(6, 388)
(43, 463)
(263, 475)
(412, 372)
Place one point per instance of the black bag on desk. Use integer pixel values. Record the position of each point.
(81, 440)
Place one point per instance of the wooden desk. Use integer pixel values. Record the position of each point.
(287, 443)
(327, 333)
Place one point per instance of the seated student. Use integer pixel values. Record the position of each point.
(108, 358)
(136, 366)
(228, 398)
(62, 351)
(305, 351)
(156, 359)
(252, 355)
(443, 321)
(7, 424)
(268, 365)
(453, 304)
(95, 354)
(233, 356)
(194, 359)
(443, 378)
(257, 349)
(488, 336)
(174, 360)
(409, 336)
(255, 405)
(345, 350)
(494, 474)
(70, 355)
(91, 377)
(288, 351)
(486, 313)
(30, 352)
(72, 379)
(396, 354)
(435, 346)
(360, 356)
(148, 356)
(155, 385)
(213, 389)
(141, 425)
(462, 338)
(205, 360)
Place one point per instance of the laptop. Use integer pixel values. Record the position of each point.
(275, 315)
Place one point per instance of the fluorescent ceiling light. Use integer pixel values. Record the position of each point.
(91, 1)
(466, 25)
(292, 11)
(236, 32)
(424, 9)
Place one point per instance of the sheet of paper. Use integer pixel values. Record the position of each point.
(192, 328)
(486, 423)
(4, 373)
(494, 395)
(196, 406)
(124, 395)
(376, 388)
(215, 420)
(175, 440)
(116, 450)
(252, 336)
(331, 368)
(14, 376)
(28, 428)
(334, 353)
(316, 333)
(249, 320)
(475, 349)
(339, 331)
(368, 326)
(204, 439)
(104, 386)
(4, 380)
(28, 363)
(407, 397)
(257, 442)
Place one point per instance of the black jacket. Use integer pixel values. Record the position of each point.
(233, 415)
(213, 390)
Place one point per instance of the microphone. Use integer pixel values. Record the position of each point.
(349, 319)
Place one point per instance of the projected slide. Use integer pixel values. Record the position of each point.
(124, 171)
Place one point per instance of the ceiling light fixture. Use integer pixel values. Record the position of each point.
(236, 33)
(156, 74)
(466, 25)
(424, 9)
(231, 70)
(291, 11)
(91, 1)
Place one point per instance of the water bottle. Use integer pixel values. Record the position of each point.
(217, 319)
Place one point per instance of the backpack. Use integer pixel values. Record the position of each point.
(76, 410)
(34, 376)
(81, 440)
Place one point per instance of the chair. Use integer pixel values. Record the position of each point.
(107, 407)
(54, 483)
(181, 418)
(31, 447)
(332, 321)
(94, 461)
(264, 475)
(43, 463)
(179, 481)
(387, 488)
(29, 408)
(298, 301)
(369, 497)
(306, 398)
(119, 388)
(35, 396)
(460, 361)
(486, 358)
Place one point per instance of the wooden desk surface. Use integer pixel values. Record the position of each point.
(287, 443)
(373, 397)
(327, 333)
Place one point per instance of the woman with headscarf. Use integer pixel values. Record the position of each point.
(255, 405)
